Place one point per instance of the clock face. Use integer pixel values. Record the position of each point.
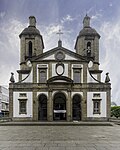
(60, 69)
(59, 55)
(29, 63)
(90, 64)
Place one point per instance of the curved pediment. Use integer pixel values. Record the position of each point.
(60, 79)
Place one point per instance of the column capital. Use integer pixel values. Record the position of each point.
(69, 90)
(50, 90)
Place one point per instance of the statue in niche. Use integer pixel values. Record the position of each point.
(88, 51)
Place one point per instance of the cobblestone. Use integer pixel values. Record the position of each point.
(60, 137)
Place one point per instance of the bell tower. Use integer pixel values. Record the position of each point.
(87, 43)
(31, 42)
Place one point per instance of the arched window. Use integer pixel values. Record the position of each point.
(30, 49)
(88, 45)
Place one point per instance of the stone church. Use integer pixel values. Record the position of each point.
(59, 85)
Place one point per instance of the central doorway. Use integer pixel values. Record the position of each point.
(59, 107)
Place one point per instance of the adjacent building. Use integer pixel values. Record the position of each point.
(59, 84)
(4, 101)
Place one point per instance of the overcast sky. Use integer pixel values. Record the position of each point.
(68, 15)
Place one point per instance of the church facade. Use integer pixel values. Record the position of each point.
(59, 85)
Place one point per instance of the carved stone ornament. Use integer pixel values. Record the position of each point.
(60, 55)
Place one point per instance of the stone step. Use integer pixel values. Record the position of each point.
(79, 123)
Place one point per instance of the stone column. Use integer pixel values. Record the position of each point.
(68, 103)
(85, 73)
(108, 103)
(84, 106)
(50, 106)
(35, 75)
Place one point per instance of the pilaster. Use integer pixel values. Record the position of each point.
(84, 106)
(34, 73)
(35, 106)
(10, 102)
(108, 103)
(50, 106)
(68, 102)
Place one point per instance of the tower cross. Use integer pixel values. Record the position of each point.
(59, 33)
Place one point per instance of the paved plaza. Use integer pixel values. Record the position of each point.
(59, 137)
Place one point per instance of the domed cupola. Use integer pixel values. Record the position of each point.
(31, 29)
(31, 41)
(87, 30)
(87, 43)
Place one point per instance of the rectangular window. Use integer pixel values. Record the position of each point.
(96, 106)
(77, 75)
(7, 106)
(3, 105)
(42, 75)
(22, 106)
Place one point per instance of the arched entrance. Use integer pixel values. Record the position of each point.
(76, 107)
(59, 106)
(42, 107)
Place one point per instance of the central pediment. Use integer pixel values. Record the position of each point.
(59, 53)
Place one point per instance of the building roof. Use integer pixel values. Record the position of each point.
(88, 31)
(30, 30)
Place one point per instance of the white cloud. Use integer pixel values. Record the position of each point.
(110, 45)
(9, 49)
(110, 4)
(49, 34)
(67, 18)
(96, 16)
(90, 10)
(2, 14)
(51, 37)
(52, 29)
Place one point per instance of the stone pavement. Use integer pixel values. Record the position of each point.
(59, 137)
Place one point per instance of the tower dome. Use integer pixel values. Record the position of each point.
(87, 30)
(31, 29)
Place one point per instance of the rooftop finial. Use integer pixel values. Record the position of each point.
(86, 21)
(32, 21)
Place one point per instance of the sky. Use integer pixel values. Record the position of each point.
(68, 16)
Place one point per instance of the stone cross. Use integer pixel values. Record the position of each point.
(59, 33)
